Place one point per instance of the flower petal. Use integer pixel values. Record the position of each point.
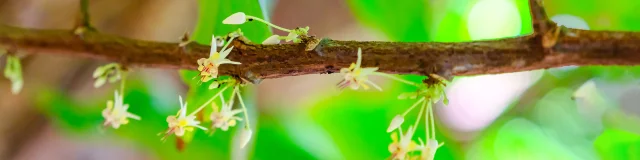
(172, 119)
(214, 46)
(201, 61)
(179, 131)
(227, 61)
(133, 116)
(99, 71)
(368, 70)
(99, 82)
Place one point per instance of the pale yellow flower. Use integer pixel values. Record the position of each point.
(356, 77)
(400, 148)
(208, 67)
(182, 122)
(428, 150)
(116, 113)
(224, 117)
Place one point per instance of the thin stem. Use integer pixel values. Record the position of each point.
(233, 96)
(123, 80)
(84, 15)
(227, 44)
(420, 114)
(209, 101)
(267, 23)
(394, 78)
(413, 106)
(223, 102)
(244, 108)
(433, 126)
(426, 123)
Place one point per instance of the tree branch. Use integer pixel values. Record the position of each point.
(539, 17)
(570, 47)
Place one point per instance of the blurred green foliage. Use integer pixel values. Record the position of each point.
(618, 144)
(352, 125)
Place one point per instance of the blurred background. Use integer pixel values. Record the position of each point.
(562, 113)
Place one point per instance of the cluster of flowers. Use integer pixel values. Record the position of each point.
(116, 113)
(355, 77)
(426, 95)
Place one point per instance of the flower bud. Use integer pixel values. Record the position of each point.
(395, 123)
(214, 85)
(271, 40)
(236, 18)
(245, 136)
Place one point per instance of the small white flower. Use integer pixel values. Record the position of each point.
(182, 123)
(355, 76)
(395, 123)
(116, 113)
(274, 39)
(400, 148)
(236, 18)
(225, 117)
(208, 67)
(428, 151)
(245, 137)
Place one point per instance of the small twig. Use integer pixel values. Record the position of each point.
(540, 21)
(83, 19)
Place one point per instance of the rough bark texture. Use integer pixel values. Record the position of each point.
(567, 47)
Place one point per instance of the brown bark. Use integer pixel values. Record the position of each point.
(568, 47)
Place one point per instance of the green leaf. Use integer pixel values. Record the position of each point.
(452, 28)
(274, 142)
(212, 12)
(618, 144)
(400, 20)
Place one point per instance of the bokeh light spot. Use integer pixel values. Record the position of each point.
(489, 19)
